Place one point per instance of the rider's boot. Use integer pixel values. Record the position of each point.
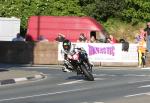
(64, 69)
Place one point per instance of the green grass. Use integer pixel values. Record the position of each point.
(120, 29)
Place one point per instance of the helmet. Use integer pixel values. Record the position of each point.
(66, 45)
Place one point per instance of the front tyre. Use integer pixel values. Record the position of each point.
(86, 72)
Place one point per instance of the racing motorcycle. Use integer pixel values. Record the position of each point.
(77, 61)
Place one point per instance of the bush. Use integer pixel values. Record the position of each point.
(122, 30)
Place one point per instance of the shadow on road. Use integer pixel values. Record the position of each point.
(9, 66)
(3, 70)
(76, 78)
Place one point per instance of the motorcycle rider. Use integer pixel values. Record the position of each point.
(69, 50)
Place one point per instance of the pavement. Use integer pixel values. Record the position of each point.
(8, 76)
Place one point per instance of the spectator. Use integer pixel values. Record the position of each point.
(111, 39)
(137, 38)
(142, 52)
(41, 38)
(125, 45)
(140, 35)
(121, 41)
(82, 38)
(18, 38)
(102, 38)
(60, 38)
(93, 40)
(147, 29)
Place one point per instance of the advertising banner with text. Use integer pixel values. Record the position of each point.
(105, 52)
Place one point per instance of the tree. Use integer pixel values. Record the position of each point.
(25, 8)
(136, 10)
(86, 2)
(103, 9)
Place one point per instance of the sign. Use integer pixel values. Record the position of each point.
(105, 52)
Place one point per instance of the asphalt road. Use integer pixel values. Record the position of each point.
(110, 86)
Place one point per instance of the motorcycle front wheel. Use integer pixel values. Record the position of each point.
(86, 72)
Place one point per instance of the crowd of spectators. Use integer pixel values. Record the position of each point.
(143, 41)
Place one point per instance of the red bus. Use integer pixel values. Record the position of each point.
(70, 26)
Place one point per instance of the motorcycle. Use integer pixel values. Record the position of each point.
(77, 61)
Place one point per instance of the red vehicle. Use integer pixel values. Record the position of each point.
(70, 26)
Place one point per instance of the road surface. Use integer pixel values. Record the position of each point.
(110, 86)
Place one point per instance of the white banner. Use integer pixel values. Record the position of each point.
(105, 52)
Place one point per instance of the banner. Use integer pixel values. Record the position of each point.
(105, 52)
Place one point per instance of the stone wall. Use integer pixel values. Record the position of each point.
(45, 53)
(39, 53)
(16, 52)
(119, 64)
(28, 52)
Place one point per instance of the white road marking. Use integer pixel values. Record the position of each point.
(134, 95)
(139, 81)
(20, 79)
(147, 68)
(135, 75)
(78, 81)
(99, 78)
(100, 74)
(71, 82)
(104, 75)
(46, 94)
(38, 76)
(144, 86)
